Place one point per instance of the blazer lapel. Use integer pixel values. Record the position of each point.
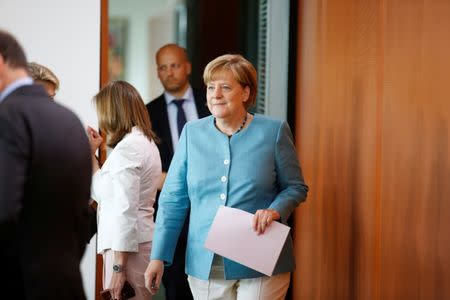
(200, 104)
(165, 128)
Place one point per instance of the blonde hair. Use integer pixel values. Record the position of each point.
(243, 72)
(120, 108)
(41, 73)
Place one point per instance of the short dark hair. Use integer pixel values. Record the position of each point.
(11, 51)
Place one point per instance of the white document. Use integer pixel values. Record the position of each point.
(231, 235)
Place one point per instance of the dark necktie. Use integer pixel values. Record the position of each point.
(181, 116)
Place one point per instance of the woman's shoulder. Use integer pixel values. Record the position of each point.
(133, 149)
(134, 142)
(135, 136)
(266, 121)
(200, 123)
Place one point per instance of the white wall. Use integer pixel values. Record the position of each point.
(64, 35)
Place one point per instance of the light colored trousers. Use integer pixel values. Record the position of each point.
(261, 288)
(136, 265)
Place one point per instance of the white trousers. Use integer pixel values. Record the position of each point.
(261, 288)
(136, 265)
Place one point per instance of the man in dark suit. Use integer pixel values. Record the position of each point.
(45, 173)
(178, 104)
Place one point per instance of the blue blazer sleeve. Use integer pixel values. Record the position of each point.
(173, 205)
(292, 187)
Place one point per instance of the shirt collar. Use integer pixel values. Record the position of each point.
(188, 96)
(15, 85)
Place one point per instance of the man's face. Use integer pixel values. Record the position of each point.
(173, 70)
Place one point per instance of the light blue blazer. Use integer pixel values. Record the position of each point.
(256, 168)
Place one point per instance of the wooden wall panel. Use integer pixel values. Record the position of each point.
(415, 194)
(335, 233)
(373, 118)
(104, 48)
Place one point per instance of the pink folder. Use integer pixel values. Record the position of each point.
(231, 235)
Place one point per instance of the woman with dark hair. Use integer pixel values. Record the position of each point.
(124, 187)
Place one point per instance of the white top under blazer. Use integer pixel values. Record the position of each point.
(125, 190)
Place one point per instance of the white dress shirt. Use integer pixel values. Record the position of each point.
(190, 111)
(125, 190)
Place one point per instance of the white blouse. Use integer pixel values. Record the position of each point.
(125, 190)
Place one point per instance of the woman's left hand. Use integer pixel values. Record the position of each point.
(116, 285)
(263, 218)
(95, 139)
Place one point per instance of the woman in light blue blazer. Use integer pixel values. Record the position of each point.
(232, 158)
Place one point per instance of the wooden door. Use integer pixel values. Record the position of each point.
(373, 119)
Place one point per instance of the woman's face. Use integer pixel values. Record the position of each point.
(225, 96)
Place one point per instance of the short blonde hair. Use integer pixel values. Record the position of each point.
(243, 72)
(120, 108)
(41, 73)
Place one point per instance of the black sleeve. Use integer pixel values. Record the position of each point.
(13, 171)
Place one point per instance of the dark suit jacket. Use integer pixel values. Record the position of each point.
(45, 178)
(157, 110)
(174, 280)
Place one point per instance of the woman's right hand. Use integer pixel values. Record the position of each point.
(263, 218)
(153, 275)
(95, 139)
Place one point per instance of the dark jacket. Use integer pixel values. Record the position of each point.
(44, 192)
(174, 278)
(157, 110)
